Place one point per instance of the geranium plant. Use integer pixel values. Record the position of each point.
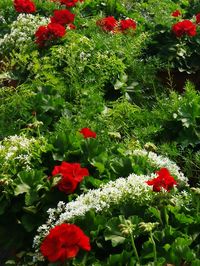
(177, 42)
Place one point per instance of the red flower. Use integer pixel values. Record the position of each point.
(48, 33)
(198, 18)
(64, 242)
(69, 3)
(88, 133)
(185, 27)
(107, 24)
(163, 180)
(24, 6)
(176, 13)
(71, 175)
(62, 17)
(127, 24)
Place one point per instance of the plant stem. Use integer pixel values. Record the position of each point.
(83, 262)
(135, 249)
(154, 248)
(198, 205)
(166, 216)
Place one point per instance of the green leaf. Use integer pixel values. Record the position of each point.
(124, 258)
(156, 213)
(22, 188)
(195, 262)
(10, 262)
(99, 166)
(113, 232)
(185, 219)
(115, 239)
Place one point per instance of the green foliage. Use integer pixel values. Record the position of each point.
(12, 99)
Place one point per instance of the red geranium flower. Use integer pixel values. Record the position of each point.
(48, 33)
(64, 242)
(88, 133)
(185, 27)
(198, 18)
(24, 6)
(163, 180)
(71, 175)
(107, 24)
(176, 13)
(127, 24)
(69, 3)
(62, 17)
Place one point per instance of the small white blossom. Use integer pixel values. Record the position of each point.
(161, 161)
(22, 32)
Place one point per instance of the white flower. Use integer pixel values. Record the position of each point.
(22, 31)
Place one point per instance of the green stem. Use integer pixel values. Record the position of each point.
(198, 204)
(135, 249)
(83, 262)
(166, 216)
(154, 248)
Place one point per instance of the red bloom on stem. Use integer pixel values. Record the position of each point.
(62, 17)
(64, 242)
(176, 13)
(71, 175)
(198, 18)
(24, 6)
(88, 133)
(127, 24)
(69, 3)
(107, 24)
(50, 32)
(185, 27)
(163, 180)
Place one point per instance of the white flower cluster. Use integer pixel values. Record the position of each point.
(162, 162)
(22, 32)
(17, 150)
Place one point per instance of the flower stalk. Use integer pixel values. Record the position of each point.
(154, 247)
(135, 249)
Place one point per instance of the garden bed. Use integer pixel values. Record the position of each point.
(99, 146)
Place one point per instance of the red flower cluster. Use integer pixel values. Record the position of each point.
(163, 180)
(45, 34)
(62, 17)
(64, 242)
(176, 13)
(185, 27)
(71, 175)
(198, 18)
(24, 6)
(107, 24)
(127, 24)
(70, 3)
(112, 25)
(88, 133)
